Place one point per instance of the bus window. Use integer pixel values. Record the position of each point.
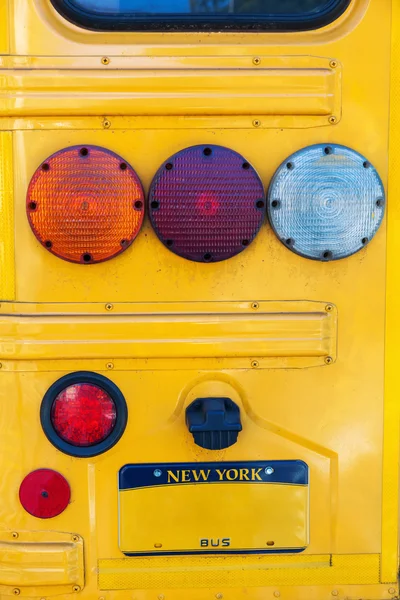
(286, 15)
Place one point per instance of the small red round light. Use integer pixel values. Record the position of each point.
(83, 414)
(85, 204)
(44, 493)
(206, 203)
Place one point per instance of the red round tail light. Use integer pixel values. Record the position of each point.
(206, 203)
(85, 204)
(44, 493)
(83, 414)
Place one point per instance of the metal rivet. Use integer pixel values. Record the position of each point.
(255, 305)
(329, 308)
(277, 594)
(110, 366)
(157, 545)
(333, 64)
(256, 123)
(332, 120)
(105, 60)
(109, 306)
(76, 588)
(15, 535)
(255, 364)
(335, 593)
(16, 591)
(219, 596)
(75, 538)
(329, 360)
(269, 470)
(106, 124)
(391, 591)
(256, 60)
(161, 597)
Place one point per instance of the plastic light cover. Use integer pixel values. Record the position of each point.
(326, 202)
(206, 203)
(85, 204)
(44, 493)
(83, 414)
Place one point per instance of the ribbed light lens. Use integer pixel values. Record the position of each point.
(85, 204)
(83, 414)
(206, 203)
(326, 202)
(44, 493)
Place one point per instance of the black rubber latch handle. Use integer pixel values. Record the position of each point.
(214, 422)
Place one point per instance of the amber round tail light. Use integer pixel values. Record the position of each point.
(85, 204)
(206, 203)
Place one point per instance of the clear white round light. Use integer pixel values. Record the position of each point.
(326, 202)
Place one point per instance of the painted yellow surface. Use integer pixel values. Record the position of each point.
(282, 517)
(249, 571)
(158, 94)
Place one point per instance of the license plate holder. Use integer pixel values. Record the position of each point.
(213, 507)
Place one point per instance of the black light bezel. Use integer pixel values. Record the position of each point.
(94, 379)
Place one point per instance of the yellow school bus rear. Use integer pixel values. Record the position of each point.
(199, 324)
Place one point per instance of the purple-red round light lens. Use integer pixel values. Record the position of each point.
(44, 493)
(206, 203)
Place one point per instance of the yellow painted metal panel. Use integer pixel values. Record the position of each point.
(303, 333)
(40, 560)
(305, 90)
(390, 500)
(331, 417)
(7, 279)
(4, 27)
(207, 572)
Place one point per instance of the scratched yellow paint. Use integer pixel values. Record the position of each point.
(340, 416)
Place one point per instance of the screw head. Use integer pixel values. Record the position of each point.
(255, 364)
(391, 591)
(256, 123)
(161, 597)
(269, 470)
(328, 360)
(277, 594)
(110, 366)
(75, 538)
(256, 60)
(16, 591)
(109, 306)
(106, 124)
(219, 596)
(333, 64)
(157, 472)
(105, 60)
(332, 120)
(76, 588)
(335, 593)
(329, 307)
(15, 535)
(255, 305)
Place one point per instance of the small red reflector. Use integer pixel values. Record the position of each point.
(206, 203)
(85, 204)
(83, 414)
(44, 493)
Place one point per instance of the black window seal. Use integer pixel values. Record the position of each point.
(195, 23)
